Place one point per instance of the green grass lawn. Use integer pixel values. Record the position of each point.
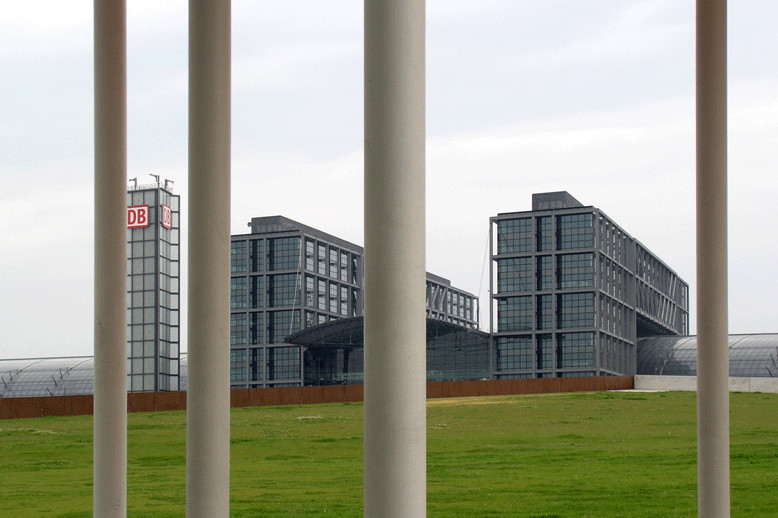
(584, 454)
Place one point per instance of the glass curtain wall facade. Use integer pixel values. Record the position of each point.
(335, 354)
(571, 292)
(153, 237)
(285, 277)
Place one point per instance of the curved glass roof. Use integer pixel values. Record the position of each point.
(32, 377)
(47, 376)
(349, 333)
(750, 356)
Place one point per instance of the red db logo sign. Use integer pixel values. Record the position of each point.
(138, 216)
(167, 217)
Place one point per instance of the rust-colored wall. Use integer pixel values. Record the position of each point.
(170, 401)
(141, 402)
(11, 408)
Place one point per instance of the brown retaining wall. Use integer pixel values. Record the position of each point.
(11, 408)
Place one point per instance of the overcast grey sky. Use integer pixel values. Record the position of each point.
(593, 97)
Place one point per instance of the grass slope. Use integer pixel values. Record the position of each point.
(584, 454)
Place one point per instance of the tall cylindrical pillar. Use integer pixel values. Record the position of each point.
(712, 328)
(395, 325)
(110, 398)
(208, 388)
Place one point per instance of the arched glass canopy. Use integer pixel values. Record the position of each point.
(750, 356)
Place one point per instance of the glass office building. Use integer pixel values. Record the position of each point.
(153, 237)
(286, 277)
(572, 292)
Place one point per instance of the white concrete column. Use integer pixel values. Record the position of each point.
(110, 399)
(208, 393)
(109, 496)
(395, 324)
(712, 328)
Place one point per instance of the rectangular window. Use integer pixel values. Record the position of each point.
(575, 231)
(238, 365)
(238, 293)
(283, 290)
(310, 290)
(544, 273)
(238, 257)
(545, 352)
(333, 297)
(545, 312)
(238, 329)
(575, 310)
(322, 295)
(544, 236)
(344, 301)
(283, 363)
(256, 327)
(309, 251)
(333, 263)
(257, 292)
(284, 253)
(514, 274)
(575, 271)
(514, 236)
(281, 324)
(514, 314)
(321, 256)
(255, 364)
(256, 255)
(344, 267)
(575, 350)
(514, 353)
